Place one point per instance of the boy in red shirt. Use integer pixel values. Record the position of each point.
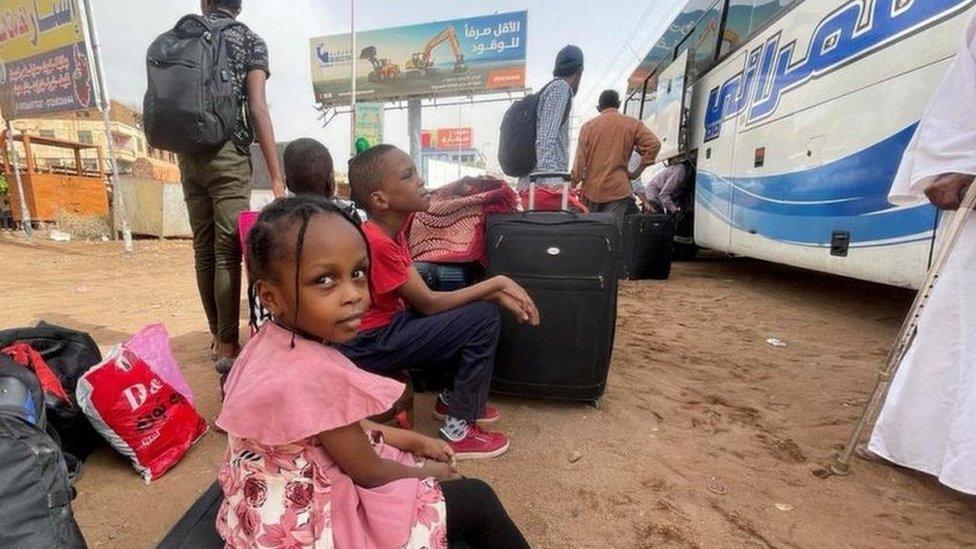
(439, 328)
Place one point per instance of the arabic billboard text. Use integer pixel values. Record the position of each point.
(452, 58)
(44, 62)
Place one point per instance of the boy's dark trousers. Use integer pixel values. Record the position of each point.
(466, 337)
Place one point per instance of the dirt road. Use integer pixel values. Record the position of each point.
(707, 436)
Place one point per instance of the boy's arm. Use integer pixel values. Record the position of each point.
(499, 289)
(263, 129)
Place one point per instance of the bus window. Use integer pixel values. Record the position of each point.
(748, 17)
(650, 96)
(632, 104)
(663, 51)
(736, 25)
(702, 41)
(764, 11)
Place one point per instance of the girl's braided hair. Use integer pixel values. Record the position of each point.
(267, 242)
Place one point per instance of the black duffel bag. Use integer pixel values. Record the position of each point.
(70, 354)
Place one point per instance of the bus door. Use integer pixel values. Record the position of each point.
(716, 129)
(667, 115)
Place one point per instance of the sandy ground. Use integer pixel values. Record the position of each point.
(704, 429)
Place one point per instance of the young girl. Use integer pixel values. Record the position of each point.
(303, 467)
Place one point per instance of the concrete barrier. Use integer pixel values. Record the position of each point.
(157, 208)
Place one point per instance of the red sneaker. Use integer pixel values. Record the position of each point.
(479, 444)
(491, 413)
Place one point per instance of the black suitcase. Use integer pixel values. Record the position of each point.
(568, 263)
(647, 247)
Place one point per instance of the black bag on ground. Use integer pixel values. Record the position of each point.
(190, 105)
(197, 528)
(568, 263)
(35, 492)
(647, 247)
(516, 139)
(70, 354)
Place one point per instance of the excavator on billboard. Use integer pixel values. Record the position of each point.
(383, 70)
(421, 62)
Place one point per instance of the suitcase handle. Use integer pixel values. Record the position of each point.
(531, 212)
(567, 180)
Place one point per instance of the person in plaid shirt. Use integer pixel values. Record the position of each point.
(555, 104)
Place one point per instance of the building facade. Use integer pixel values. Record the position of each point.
(133, 153)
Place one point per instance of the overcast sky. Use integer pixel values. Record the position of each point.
(614, 34)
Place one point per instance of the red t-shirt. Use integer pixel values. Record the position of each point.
(390, 264)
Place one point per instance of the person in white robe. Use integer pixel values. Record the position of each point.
(928, 422)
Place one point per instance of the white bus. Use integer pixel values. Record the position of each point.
(795, 114)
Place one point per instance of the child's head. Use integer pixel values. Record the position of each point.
(309, 264)
(309, 168)
(384, 179)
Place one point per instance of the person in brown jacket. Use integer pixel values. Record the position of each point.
(603, 152)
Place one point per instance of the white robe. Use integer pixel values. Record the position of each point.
(928, 421)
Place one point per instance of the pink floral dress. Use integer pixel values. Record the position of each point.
(281, 487)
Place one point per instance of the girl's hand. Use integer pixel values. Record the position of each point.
(432, 448)
(443, 472)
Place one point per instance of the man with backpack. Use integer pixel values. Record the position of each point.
(542, 119)
(206, 102)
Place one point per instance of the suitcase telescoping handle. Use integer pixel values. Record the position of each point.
(565, 176)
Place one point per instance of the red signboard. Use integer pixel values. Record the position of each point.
(446, 139)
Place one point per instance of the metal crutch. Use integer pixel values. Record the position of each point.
(842, 466)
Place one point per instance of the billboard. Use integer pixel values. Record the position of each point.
(459, 57)
(44, 62)
(446, 139)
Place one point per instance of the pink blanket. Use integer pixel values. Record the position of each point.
(453, 229)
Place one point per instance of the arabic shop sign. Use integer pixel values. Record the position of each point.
(451, 58)
(44, 62)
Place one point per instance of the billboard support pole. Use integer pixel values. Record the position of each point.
(414, 125)
(102, 100)
(352, 78)
(460, 124)
(25, 218)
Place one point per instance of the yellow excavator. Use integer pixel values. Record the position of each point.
(421, 61)
(383, 70)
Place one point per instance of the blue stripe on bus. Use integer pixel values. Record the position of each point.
(806, 207)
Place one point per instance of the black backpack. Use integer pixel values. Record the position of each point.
(190, 105)
(35, 492)
(70, 354)
(516, 140)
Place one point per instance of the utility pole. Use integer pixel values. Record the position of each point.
(25, 218)
(102, 99)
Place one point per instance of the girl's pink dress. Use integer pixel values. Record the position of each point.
(281, 488)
